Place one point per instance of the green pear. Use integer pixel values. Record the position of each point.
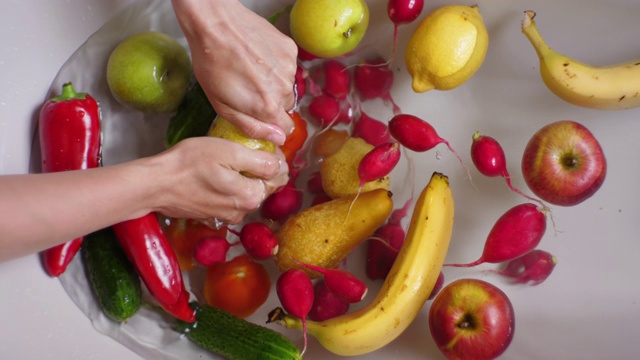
(149, 72)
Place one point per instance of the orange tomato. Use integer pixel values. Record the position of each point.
(183, 234)
(239, 286)
(295, 141)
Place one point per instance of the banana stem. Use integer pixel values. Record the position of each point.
(530, 30)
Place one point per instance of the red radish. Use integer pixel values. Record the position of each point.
(304, 55)
(437, 287)
(374, 79)
(258, 240)
(325, 110)
(314, 184)
(373, 131)
(398, 214)
(337, 79)
(489, 159)
(402, 12)
(418, 135)
(386, 242)
(346, 112)
(517, 231)
(326, 304)
(378, 162)
(320, 198)
(382, 250)
(301, 81)
(345, 285)
(211, 249)
(534, 266)
(295, 291)
(283, 203)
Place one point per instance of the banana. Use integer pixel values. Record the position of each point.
(406, 288)
(605, 88)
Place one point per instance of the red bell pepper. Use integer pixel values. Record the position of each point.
(70, 139)
(149, 250)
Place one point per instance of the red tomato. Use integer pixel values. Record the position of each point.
(296, 139)
(183, 234)
(239, 286)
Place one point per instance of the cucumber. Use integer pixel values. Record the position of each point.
(234, 338)
(193, 117)
(113, 278)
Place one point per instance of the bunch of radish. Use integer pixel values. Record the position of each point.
(383, 247)
(329, 297)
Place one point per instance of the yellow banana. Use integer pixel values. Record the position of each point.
(406, 288)
(596, 87)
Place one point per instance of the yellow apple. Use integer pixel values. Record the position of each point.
(329, 28)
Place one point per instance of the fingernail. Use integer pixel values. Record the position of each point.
(276, 136)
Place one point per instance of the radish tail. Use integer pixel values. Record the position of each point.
(304, 337)
(461, 161)
(471, 264)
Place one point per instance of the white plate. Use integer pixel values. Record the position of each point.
(587, 309)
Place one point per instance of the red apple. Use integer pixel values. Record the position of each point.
(563, 163)
(471, 319)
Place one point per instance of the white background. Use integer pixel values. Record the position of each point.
(588, 309)
(38, 319)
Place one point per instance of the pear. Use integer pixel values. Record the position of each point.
(222, 128)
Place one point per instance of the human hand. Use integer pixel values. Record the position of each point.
(204, 180)
(244, 64)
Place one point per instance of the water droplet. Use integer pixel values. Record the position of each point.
(438, 155)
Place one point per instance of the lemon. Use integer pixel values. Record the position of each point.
(446, 48)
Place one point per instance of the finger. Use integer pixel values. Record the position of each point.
(258, 163)
(251, 126)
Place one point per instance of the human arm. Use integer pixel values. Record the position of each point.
(244, 64)
(197, 178)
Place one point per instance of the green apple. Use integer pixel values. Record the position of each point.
(149, 71)
(328, 28)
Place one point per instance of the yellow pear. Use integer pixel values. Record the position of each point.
(224, 129)
(339, 171)
(324, 234)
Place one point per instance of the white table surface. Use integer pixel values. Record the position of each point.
(38, 319)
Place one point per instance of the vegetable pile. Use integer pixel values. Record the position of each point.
(345, 165)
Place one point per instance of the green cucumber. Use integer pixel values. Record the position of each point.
(234, 338)
(193, 117)
(113, 278)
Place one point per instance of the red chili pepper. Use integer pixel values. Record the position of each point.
(70, 139)
(151, 253)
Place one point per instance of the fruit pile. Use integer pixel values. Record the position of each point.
(343, 163)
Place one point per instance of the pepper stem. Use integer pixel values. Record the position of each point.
(69, 93)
